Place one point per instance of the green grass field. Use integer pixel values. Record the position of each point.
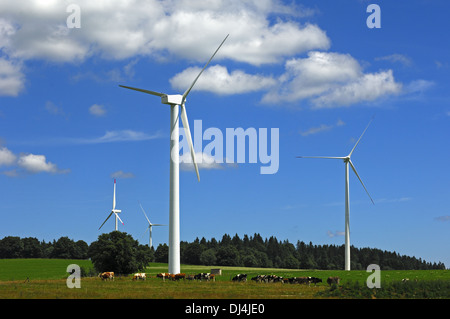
(47, 279)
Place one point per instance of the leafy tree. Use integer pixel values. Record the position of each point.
(11, 247)
(162, 253)
(191, 253)
(32, 248)
(208, 257)
(64, 248)
(228, 256)
(119, 252)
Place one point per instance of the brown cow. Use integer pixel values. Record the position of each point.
(163, 275)
(107, 275)
(179, 276)
(139, 275)
(333, 280)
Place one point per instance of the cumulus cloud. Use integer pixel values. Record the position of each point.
(218, 80)
(261, 33)
(29, 163)
(97, 110)
(36, 164)
(7, 158)
(123, 29)
(329, 79)
(11, 77)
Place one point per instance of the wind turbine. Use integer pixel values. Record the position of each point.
(175, 101)
(114, 210)
(347, 162)
(150, 225)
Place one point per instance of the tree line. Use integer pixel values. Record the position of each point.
(254, 251)
(248, 251)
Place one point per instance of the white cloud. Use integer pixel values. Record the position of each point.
(117, 136)
(396, 58)
(11, 77)
(218, 80)
(204, 161)
(321, 128)
(31, 163)
(7, 157)
(38, 163)
(97, 110)
(368, 87)
(328, 79)
(335, 234)
(122, 174)
(123, 29)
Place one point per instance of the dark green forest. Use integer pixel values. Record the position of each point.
(248, 251)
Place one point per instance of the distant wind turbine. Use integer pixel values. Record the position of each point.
(150, 225)
(114, 210)
(347, 162)
(175, 101)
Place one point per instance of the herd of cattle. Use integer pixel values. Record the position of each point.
(238, 278)
(291, 280)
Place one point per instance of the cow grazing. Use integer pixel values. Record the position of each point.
(162, 275)
(333, 280)
(107, 275)
(205, 276)
(314, 280)
(179, 276)
(240, 277)
(139, 276)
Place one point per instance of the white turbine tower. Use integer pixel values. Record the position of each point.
(347, 162)
(175, 101)
(114, 210)
(150, 225)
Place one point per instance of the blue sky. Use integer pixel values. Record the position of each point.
(312, 69)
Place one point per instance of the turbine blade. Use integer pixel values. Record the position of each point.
(142, 90)
(320, 157)
(189, 138)
(193, 83)
(105, 220)
(144, 213)
(360, 137)
(158, 225)
(117, 215)
(354, 169)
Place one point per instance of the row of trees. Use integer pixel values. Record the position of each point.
(126, 254)
(254, 251)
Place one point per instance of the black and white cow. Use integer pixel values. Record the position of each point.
(240, 277)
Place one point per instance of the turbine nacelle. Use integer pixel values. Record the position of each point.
(173, 99)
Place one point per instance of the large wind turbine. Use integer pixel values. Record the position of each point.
(175, 101)
(347, 162)
(114, 210)
(150, 225)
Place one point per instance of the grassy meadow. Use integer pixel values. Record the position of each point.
(47, 280)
